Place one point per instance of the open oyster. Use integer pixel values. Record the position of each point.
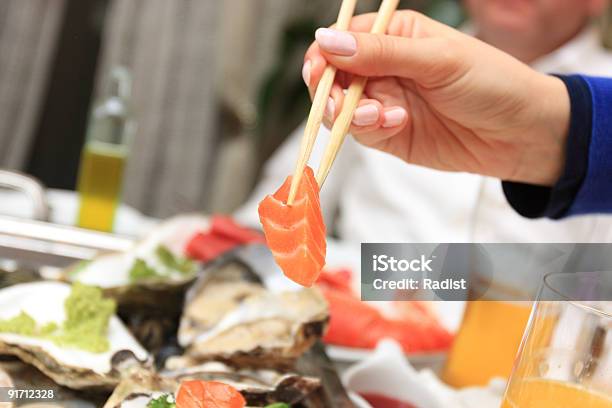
(156, 266)
(229, 319)
(43, 303)
(162, 256)
(220, 289)
(259, 387)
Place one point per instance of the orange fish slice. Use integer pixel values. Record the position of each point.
(296, 234)
(206, 394)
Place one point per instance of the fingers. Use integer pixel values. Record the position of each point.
(410, 35)
(370, 115)
(312, 70)
(395, 117)
(334, 105)
(371, 118)
(393, 121)
(429, 61)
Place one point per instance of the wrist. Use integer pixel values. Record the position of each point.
(543, 158)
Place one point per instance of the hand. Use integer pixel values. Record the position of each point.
(442, 99)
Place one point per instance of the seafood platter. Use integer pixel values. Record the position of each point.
(180, 318)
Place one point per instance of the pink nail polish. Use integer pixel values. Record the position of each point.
(394, 117)
(365, 115)
(306, 72)
(330, 108)
(336, 42)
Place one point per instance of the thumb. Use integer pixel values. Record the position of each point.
(430, 61)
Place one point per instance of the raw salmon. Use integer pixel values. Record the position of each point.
(207, 394)
(224, 235)
(224, 226)
(296, 234)
(354, 323)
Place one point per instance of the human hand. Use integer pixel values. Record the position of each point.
(442, 99)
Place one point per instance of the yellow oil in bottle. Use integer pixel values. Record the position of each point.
(100, 183)
(105, 154)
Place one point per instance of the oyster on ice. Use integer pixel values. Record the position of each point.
(259, 387)
(232, 320)
(43, 304)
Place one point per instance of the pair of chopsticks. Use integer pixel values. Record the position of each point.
(342, 124)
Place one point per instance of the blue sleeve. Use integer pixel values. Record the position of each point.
(585, 186)
(595, 194)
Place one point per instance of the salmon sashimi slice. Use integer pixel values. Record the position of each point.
(354, 323)
(206, 394)
(296, 234)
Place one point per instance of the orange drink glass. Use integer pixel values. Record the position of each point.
(487, 342)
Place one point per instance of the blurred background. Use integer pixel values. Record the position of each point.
(216, 88)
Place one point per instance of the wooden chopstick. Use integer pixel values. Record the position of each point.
(347, 9)
(352, 98)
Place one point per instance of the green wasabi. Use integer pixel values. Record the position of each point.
(140, 271)
(161, 402)
(86, 326)
(87, 317)
(183, 265)
(21, 324)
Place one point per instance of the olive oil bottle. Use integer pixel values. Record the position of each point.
(105, 154)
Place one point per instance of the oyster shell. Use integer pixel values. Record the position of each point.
(74, 368)
(111, 272)
(150, 320)
(219, 290)
(259, 387)
(228, 319)
(27, 377)
(138, 389)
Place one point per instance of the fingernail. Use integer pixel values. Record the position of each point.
(336, 42)
(330, 108)
(394, 117)
(365, 115)
(306, 72)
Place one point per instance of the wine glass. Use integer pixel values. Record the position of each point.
(565, 358)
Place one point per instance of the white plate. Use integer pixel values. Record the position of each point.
(353, 355)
